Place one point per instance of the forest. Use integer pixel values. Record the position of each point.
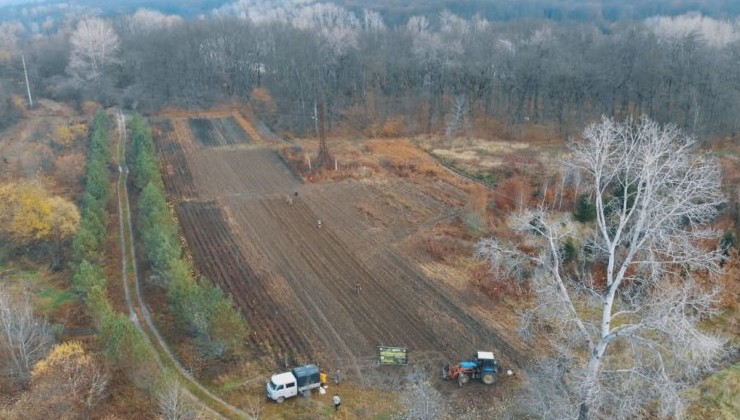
(677, 69)
(197, 194)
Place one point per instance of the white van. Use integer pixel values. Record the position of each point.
(289, 384)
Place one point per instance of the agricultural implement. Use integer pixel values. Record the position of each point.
(482, 366)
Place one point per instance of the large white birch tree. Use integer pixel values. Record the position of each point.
(623, 315)
(95, 48)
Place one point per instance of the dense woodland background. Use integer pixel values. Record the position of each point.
(449, 73)
(420, 69)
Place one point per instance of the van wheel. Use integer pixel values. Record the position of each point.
(280, 399)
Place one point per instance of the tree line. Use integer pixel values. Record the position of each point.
(202, 310)
(123, 344)
(467, 70)
(431, 72)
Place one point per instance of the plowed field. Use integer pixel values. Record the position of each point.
(217, 131)
(297, 283)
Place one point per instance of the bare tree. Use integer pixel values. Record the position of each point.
(147, 21)
(25, 339)
(94, 48)
(172, 401)
(254, 408)
(631, 304)
(9, 32)
(457, 117)
(420, 399)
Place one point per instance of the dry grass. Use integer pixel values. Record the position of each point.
(403, 158)
(183, 133)
(244, 119)
(221, 110)
(717, 396)
(357, 403)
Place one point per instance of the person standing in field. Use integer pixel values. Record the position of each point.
(336, 377)
(337, 402)
(322, 378)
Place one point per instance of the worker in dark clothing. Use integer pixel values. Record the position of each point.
(337, 402)
(336, 377)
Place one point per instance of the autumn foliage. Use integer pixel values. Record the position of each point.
(263, 102)
(474, 216)
(67, 384)
(67, 135)
(28, 214)
(513, 194)
(403, 158)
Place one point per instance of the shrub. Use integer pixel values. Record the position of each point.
(729, 241)
(569, 251)
(585, 210)
(161, 247)
(87, 276)
(474, 222)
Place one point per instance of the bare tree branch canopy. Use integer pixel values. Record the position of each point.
(94, 47)
(24, 338)
(420, 399)
(633, 299)
(172, 401)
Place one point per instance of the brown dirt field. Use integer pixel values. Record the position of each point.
(296, 283)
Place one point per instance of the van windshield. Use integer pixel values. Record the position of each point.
(273, 386)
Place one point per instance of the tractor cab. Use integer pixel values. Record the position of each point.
(486, 362)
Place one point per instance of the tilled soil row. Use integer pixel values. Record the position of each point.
(223, 173)
(178, 180)
(219, 259)
(215, 132)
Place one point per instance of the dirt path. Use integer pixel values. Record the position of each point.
(138, 311)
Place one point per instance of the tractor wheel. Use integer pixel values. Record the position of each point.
(462, 379)
(280, 399)
(488, 378)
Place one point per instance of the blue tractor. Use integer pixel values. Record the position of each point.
(482, 366)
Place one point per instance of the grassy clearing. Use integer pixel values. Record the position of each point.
(50, 294)
(717, 396)
(51, 299)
